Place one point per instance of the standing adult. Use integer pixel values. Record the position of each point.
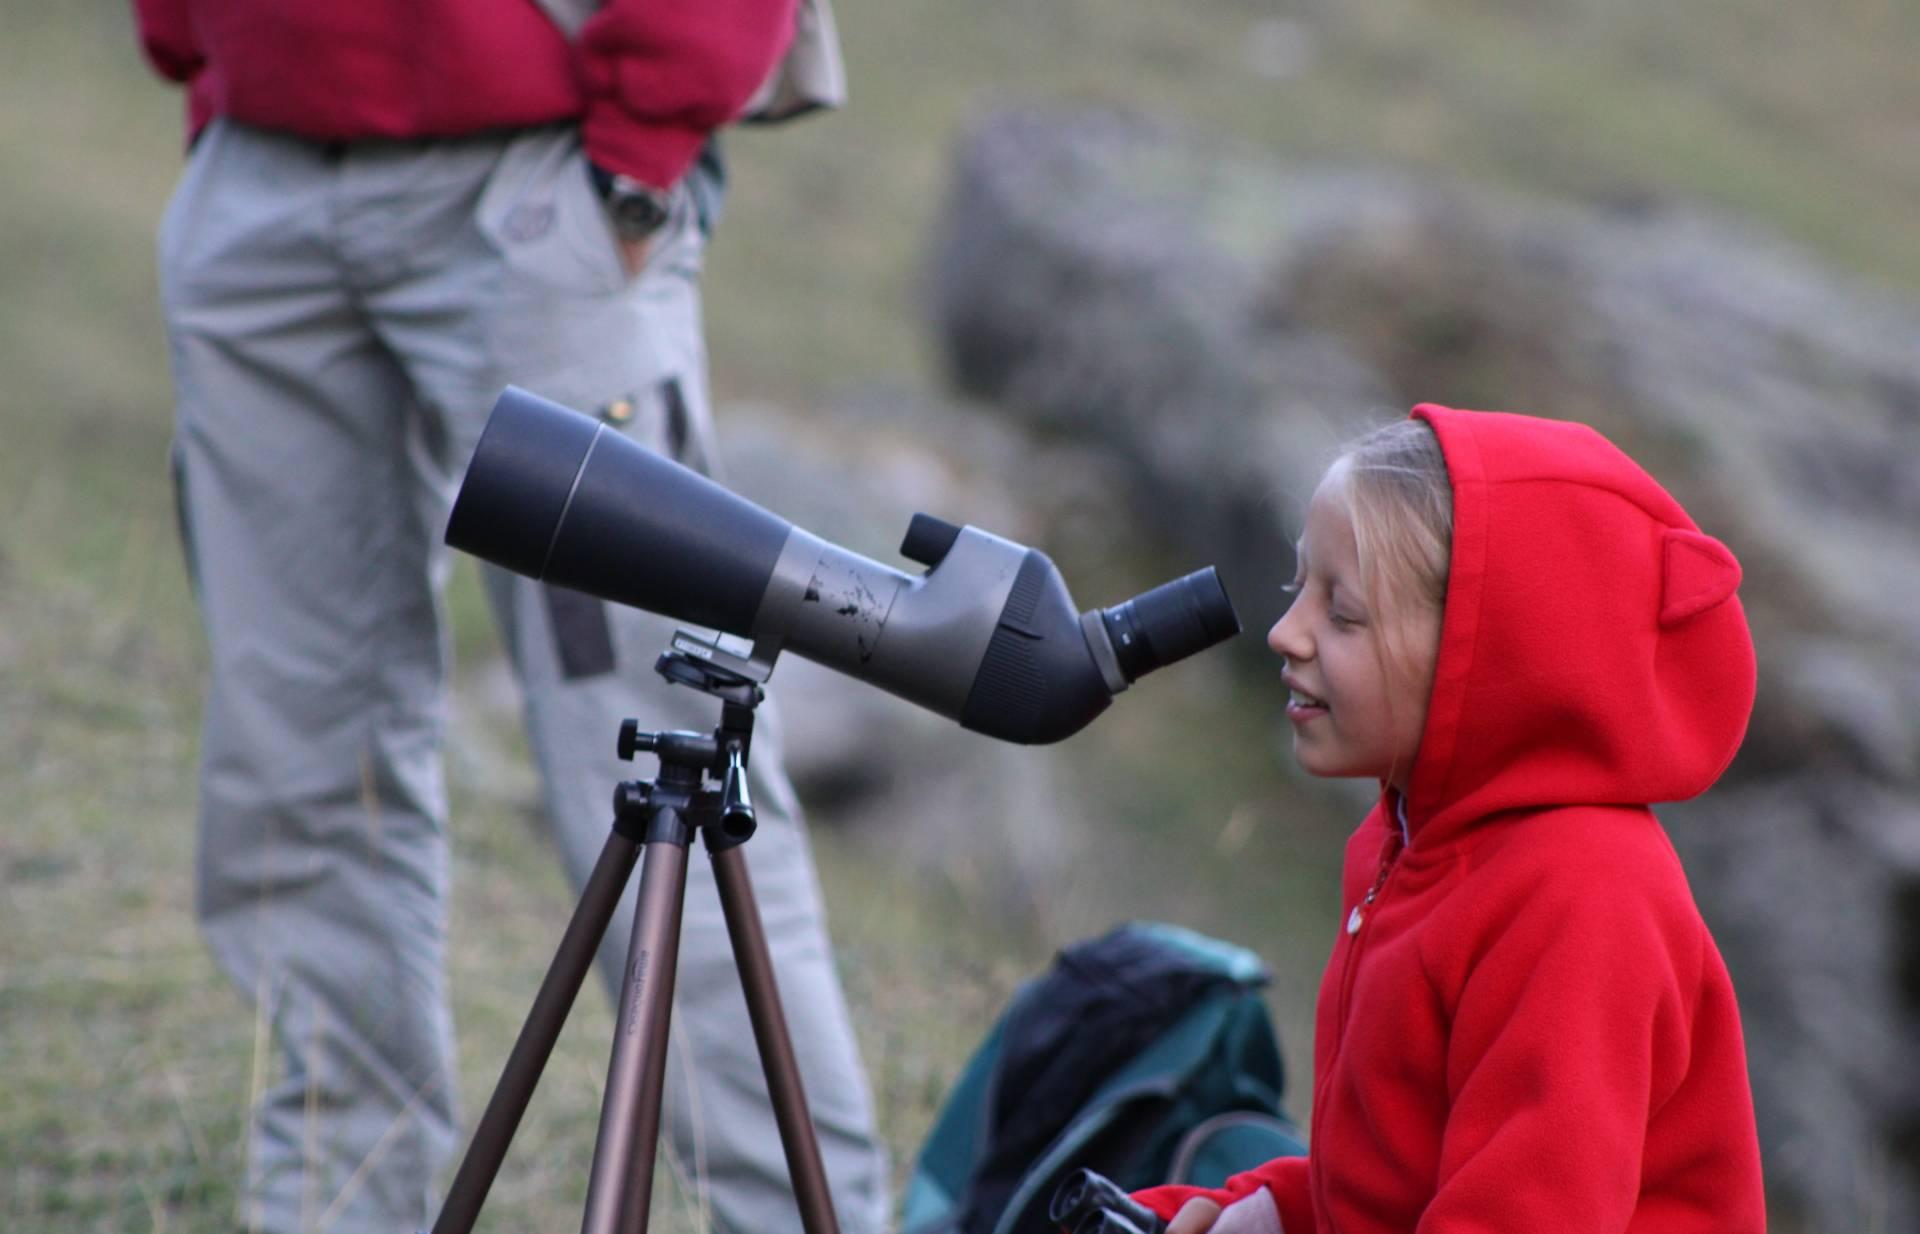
(391, 211)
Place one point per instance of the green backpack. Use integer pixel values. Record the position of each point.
(1146, 1055)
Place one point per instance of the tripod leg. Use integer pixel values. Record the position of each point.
(571, 963)
(621, 1186)
(776, 1045)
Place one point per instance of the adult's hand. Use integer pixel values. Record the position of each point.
(633, 255)
(633, 247)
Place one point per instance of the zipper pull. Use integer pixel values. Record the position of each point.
(1358, 914)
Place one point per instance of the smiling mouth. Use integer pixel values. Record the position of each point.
(1300, 700)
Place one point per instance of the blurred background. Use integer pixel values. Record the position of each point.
(1114, 279)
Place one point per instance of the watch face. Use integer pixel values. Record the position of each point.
(637, 215)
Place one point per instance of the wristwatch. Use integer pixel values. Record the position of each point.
(637, 210)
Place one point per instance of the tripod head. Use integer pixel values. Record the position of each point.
(686, 759)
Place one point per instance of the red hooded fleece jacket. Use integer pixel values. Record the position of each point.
(1528, 1028)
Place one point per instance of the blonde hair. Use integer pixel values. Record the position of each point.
(1394, 483)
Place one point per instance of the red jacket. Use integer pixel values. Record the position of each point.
(1529, 1029)
(647, 80)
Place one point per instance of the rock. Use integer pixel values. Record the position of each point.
(1812, 884)
(1072, 284)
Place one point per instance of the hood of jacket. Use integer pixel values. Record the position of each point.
(1593, 650)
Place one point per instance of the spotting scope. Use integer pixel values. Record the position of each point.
(987, 636)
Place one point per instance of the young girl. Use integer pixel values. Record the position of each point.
(1524, 1025)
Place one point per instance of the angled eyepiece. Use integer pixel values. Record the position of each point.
(1170, 623)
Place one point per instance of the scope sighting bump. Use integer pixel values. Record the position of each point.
(928, 540)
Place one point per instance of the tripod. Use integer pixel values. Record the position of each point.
(659, 819)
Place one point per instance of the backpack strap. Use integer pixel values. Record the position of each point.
(1232, 1143)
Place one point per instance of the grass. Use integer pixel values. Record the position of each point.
(125, 1058)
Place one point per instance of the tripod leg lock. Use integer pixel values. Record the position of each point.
(631, 802)
(736, 821)
(646, 815)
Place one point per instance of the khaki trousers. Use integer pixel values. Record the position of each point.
(341, 320)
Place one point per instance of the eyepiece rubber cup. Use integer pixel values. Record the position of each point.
(1170, 623)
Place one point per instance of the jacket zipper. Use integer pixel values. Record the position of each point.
(1355, 920)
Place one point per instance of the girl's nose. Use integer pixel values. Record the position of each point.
(1287, 640)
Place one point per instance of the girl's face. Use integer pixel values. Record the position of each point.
(1359, 668)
